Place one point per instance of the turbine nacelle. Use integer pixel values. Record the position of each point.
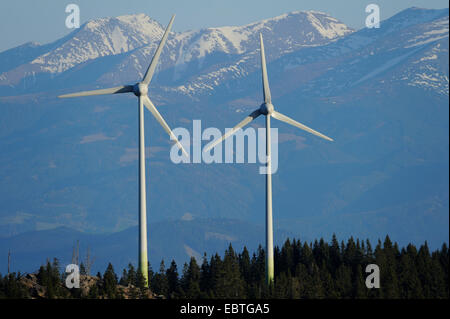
(140, 89)
(266, 108)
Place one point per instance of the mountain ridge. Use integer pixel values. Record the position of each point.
(138, 35)
(188, 238)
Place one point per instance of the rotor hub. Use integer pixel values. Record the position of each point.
(140, 89)
(266, 108)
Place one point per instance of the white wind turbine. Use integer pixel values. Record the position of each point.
(268, 110)
(140, 89)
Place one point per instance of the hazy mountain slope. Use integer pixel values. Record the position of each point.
(178, 240)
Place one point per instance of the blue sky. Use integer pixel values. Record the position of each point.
(42, 21)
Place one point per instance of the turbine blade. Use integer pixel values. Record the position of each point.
(288, 120)
(149, 105)
(267, 96)
(115, 90)
(151, 69)
(241, 124)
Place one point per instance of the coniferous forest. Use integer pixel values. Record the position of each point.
(317, 270)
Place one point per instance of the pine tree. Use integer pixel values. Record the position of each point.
(192, 280)
(327, 282)
(110, 283)
(409, 282)
(141, 285)
(215, 271)
(258, 267)
(124, 279)
(359, 289)
(231, 282)
(159, 284)
(335, 256)
(315, 288)
(438, 285)
(244, 263)
(93, 292)
(343, 281)
(287, 258)
(82, 269)
(205, 278)
(132, 275)
(282, 288)
(150, 274)
(172, 280)
(444, 261)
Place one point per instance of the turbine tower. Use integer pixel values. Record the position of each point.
(140, 89)
(268, 110)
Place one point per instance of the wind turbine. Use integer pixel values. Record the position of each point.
(140, 89)
(268, 110)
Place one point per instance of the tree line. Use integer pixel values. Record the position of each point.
(302, 270)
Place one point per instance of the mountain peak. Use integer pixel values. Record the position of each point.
(300, 28)
(138, 21)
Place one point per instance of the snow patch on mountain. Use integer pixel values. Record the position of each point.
(430, 71)
(436, 30)
(330, 30)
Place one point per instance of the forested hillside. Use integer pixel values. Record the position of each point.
(302, 270)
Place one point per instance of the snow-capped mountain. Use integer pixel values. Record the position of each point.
(95, 39)
(99, 38)
(134, 39)
(283, 34)
(410, 48)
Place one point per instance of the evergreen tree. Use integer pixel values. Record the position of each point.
(124, 279)
(343, 281)
(192, 280)
(282, 288)
(159, 284)
(141, 285)
(172, 280)
(409, 282)
(388, 273)
(132, 275)
(83, 269)
(359, 289)
(110, 281)
(205, 278)
(231, 284)
(93, 292)
(327, 282)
